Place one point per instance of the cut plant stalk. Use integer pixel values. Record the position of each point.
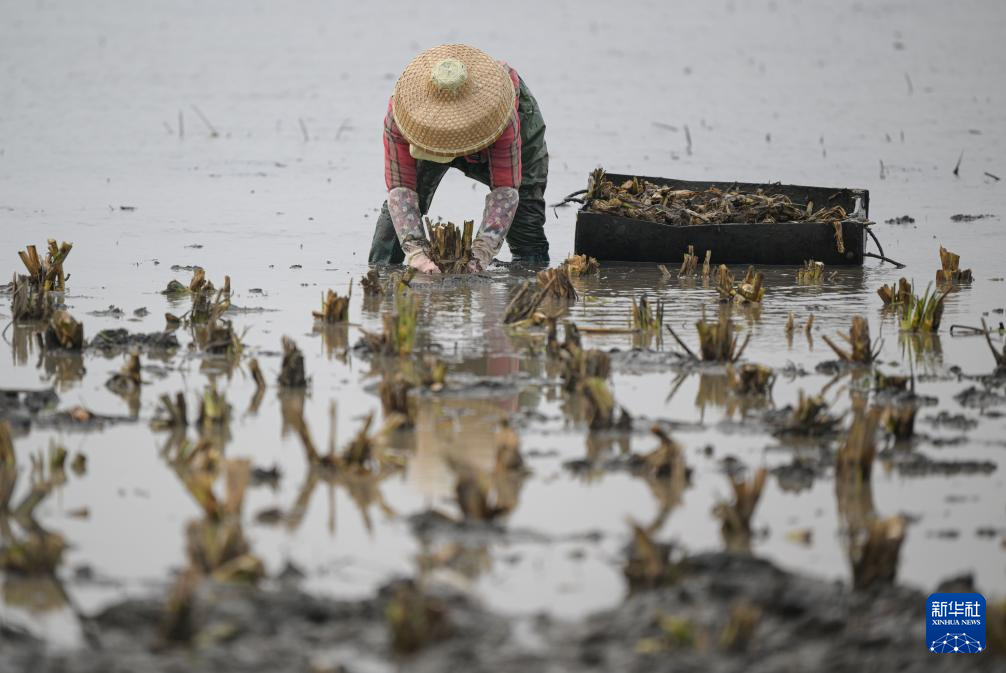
(175, 290)
(600, 406)
(580, 365)
(208, 303)
(178, 626)
(414, 619)
(260, 385)
(291, 374)
(875, 551)
(811, 417)
(552, 285)
(749, 291)
(371, 284)
(172, 414)
(862, 350)
(334, 309)
(856, 454)
(811, 272)
(64, 332)
(400, 281)
(79, 464)
(47, 275)
(216, 545)
(581, 265)
(690, 264)
(557, 284)
(889, 382)
(717, 341)
(644, 318)
(432, 373)
(951, 272)
(394, 393)
(475, 497)
(126, 381)
(450, 247)
(399, 334)
(1000, 358)
(508, 456)
(667, 461)
(214, 410)
(899, 421)
(923, 314)
(30, 298)
(360, 454)
(894, 295)
(39, 552)
(736, 516)
(751, 379)
(648, 562)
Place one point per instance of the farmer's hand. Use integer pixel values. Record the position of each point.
(403, 204)
(422, 263)
(501, 204)
(482, 256)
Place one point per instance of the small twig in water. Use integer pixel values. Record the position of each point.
(967, 330)
(908, 80)
(883, 173)
(303, 128)
(688, 141)
(681, 343)
(199, 113)
(570, 198)
(884, 259)
(666, 127)
(181, 125)
(881, 249)
(957, 168)
(994, 177)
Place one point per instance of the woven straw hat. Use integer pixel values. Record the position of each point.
(453, 100)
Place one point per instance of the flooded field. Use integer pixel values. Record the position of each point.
(245, 140)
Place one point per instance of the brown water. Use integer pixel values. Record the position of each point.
(802, 92)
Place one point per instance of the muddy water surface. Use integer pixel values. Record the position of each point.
(101, 145)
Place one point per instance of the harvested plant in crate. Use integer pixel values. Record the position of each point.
(645, 200)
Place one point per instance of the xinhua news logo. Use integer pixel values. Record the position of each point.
(955, 623)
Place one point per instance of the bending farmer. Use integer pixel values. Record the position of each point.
(456, 106)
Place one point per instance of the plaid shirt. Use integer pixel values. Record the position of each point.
(503, 155)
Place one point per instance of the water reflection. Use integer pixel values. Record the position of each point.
(25, 340)
(334, 341)
(30, 554)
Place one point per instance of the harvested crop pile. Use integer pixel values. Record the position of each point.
(645, 200)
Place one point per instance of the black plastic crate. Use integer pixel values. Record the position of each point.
(625, 239)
